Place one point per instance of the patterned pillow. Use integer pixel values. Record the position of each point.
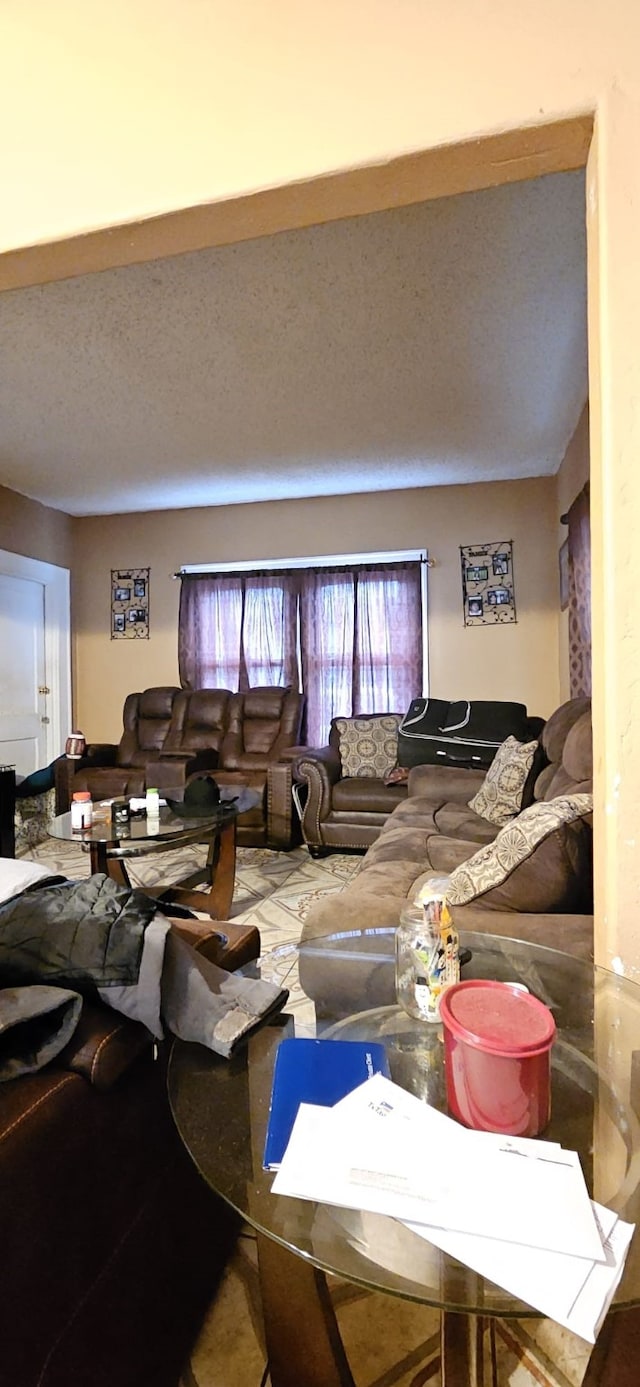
(499, 798)
(497, 862)
(368, 746)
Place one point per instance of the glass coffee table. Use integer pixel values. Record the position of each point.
(111, 845)
(221, 1107)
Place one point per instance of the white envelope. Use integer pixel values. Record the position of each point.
(383, 1150)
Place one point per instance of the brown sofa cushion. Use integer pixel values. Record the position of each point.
(538, 862)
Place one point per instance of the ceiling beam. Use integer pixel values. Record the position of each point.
(507, 157)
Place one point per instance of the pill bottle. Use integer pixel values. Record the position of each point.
(81, 811)
(152, 803)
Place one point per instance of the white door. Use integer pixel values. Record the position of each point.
(23, 689)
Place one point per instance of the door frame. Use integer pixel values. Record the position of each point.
(57, 639)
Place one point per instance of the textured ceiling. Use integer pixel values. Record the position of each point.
(439, 343)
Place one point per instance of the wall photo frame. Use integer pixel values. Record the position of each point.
(488, 596)
(130, 604)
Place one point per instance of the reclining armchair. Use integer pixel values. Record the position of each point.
(107, 769)
(244, 745)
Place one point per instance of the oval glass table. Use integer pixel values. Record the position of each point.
(221, 1108)
(111, 845)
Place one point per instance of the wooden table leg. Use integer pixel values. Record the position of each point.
(303, 1340)
(461, 1361)
(219, 874)
(112, 867)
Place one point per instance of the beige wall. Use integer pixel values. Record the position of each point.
(516, 661)
(36, 531)
(160, 106)
(573, 474)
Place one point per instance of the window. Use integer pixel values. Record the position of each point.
(349, 635)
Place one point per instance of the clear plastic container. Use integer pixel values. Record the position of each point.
(427, 952)
(81, 811)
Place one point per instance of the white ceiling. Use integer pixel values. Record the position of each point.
(444, 342)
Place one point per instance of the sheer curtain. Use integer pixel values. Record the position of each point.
(237, 631)
(361, 641)
(358, 629)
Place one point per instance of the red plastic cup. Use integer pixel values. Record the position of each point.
(497, 1046)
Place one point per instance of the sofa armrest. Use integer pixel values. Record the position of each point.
(319, 769)
(282, 822)
(445, 782)
(103, 1045)
(66, 768)
(172, 770)
(229, 946)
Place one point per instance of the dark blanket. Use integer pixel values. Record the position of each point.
(81, 934)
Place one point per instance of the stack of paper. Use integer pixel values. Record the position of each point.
(516, 1211)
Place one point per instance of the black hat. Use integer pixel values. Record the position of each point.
(201, 795)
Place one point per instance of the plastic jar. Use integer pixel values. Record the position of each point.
(81, 811)
(497, 1046)
(152, 804)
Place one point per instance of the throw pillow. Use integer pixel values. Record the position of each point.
(368, 746)
(540, 861)
(499, 798)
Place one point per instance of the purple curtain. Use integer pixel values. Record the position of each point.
(236, 631)
(580, 595)
(361, 641)
(359, 630)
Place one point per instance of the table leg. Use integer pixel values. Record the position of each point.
(219, 874)
(303, 1340)
(113, 867)
(461, 1360)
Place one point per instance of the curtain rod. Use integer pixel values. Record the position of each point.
(289, 563)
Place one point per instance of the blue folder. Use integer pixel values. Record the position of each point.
(315, 1071)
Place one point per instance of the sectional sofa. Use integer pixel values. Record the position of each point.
(545, 892)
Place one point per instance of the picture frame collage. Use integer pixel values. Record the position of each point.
(130, 603)
(488, 597)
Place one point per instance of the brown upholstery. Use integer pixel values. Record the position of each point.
(171, 735)
(199, 723)
(112, 1245)
(147, 719)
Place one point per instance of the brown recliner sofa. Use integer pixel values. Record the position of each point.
(173, 734)
(547, 899)
(111, 1244)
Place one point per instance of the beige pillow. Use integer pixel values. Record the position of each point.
(537, 862)
(499, 798)
(368, 746)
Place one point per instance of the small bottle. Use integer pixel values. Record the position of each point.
(427, 951)
(81, 811)
(152, 804)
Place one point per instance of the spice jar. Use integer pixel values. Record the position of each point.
(81, 811)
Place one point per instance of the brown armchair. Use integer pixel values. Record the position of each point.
(341, 811)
